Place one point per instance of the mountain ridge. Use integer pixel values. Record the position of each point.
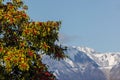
(84, 64)
(110, 58)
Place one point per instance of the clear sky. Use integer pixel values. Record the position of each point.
(91, 23)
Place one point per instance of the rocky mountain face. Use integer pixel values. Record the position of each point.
(85, 64)
(115, 72)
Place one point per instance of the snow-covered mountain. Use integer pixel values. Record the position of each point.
(106, 60)
(84, 64)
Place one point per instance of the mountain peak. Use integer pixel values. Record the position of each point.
(84, 63)
(105, 60)
(85, 49)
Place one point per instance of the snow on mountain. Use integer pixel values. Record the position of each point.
(106, 60)
(79, 66)
(85, 49)
(84, 64)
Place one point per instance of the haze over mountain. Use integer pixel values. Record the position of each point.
(85, 64)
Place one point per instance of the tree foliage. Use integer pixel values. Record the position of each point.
(22, 42)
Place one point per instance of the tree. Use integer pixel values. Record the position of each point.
(22, 42)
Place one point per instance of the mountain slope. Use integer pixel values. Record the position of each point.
(105, 60)
(115, 72)
(79, 66)
(85, 64)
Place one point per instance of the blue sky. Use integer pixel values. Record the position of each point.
(91, 23)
